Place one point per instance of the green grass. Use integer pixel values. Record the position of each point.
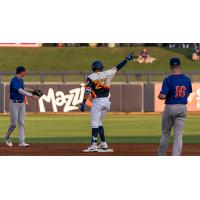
(80, 58)
(119, 128)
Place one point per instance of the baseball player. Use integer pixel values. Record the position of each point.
(175, 90)
(17, 106)
(98, 85)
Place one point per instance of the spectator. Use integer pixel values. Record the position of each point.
(144, 57)
(60, 45)
(196, 52)
(93, 45)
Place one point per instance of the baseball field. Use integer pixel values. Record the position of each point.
(69, 134)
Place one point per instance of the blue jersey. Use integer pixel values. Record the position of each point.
(15, 84)
(177, 88)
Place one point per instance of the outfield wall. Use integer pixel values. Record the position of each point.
(136, 97)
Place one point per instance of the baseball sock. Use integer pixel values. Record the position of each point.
(95, 132)
(101, 134)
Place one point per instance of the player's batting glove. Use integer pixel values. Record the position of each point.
(129, 57)
(82, 107)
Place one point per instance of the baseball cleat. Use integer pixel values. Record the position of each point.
(92, 148)
(103, 146)
(24, 144)
(8, 142)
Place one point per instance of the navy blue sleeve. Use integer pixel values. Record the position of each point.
(121, 64)
(89, 84)
(165, 87)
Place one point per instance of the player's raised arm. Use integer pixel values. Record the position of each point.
(112, 72)
(123, 63)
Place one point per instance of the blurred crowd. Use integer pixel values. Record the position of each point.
(169, 45)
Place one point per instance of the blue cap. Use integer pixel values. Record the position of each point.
(20, 69)
(175, 62)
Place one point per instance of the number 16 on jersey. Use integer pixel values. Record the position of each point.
(180, 91)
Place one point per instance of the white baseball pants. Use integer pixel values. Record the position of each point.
(100, 106)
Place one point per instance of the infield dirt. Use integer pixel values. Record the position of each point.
(76, 150)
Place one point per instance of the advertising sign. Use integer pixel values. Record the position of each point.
(193, 99)
(67, 98)
(20, 44)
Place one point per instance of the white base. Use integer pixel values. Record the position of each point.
(99, 150)
(107, 150)
(87, 150)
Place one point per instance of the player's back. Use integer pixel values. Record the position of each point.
(179, 88)
(99, 83)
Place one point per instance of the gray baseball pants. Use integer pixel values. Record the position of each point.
(173, 116)
(17, 115)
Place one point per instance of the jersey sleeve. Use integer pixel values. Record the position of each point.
(111, 73)
(89, 85)
(165, 87)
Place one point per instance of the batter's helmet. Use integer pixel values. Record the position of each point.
(97, 65)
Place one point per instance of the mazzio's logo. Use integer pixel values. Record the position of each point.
(69, 101)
